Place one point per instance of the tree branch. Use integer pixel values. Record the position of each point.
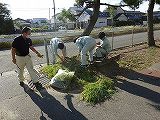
(113, 5)
(79, 14)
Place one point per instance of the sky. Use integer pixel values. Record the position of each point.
(28, 9)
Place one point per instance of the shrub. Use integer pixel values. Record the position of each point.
(98, 91)
(4, 45)
(51, 70)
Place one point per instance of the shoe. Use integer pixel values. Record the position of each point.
(38, 86)
(21, 84)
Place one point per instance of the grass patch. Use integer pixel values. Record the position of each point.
(95, 87)
(51, 70)
(7, 45)
(4, 45)
(140, 59)
(98, 91)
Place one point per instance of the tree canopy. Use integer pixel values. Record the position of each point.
(65, 15)
(6, 23)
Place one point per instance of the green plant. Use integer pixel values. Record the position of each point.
(98, 91)
(51, 70)
(4, 45)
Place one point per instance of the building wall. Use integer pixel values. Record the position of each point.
(101, 22)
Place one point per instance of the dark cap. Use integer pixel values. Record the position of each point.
(60, 45)
(101, 35)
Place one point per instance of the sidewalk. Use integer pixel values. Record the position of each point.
(138, 98)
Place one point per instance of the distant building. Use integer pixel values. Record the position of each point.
(57, 24)
(37, 22)
(156, 15)
(84, 18)
(123, 15)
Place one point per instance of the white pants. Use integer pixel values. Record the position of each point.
(25, 61)
(53, 55)
(87, 48)
(100, 52)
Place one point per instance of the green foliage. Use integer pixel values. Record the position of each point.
(66, 15)
(97, 87)
(111, 10)
(4, 45)
(51, 70)
(133, 3)
(80, 2)
(98, 91)
(37, 42)
(157, 1)
(6, 23)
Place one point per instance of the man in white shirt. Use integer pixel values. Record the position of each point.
(85, 44)
(103, 48)
(57, 43)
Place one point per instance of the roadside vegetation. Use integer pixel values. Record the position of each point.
(94, 87)
(139, 57)
(108, 30)
(94, 83)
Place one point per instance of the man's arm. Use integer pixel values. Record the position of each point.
(64, 52)
(35, 51)
(13, 51)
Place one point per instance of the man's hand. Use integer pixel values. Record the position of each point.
(39, 55)
(14, 61)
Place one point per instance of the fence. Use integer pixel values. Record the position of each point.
(122, 36)
(119, 37)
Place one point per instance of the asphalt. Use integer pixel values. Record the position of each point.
(137, 98)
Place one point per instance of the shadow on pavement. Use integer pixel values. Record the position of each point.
(53, 108)
(138, 90)
(156, 106)
(133, 75)
(112, 70)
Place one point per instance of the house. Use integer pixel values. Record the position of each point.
(156, 15)
(84, 18)
(123, 15)
(39, 22)
(57, 24)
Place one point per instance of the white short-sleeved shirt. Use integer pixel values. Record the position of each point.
(54, 44)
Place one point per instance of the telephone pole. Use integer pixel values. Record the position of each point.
(54, 10)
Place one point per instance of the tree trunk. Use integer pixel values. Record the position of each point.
(93, 18)
(151, 41)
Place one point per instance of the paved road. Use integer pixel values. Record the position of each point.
(137, 99)
(119, 41)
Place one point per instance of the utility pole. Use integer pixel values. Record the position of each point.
(50, 28)
(49, 14)
(54, 10)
